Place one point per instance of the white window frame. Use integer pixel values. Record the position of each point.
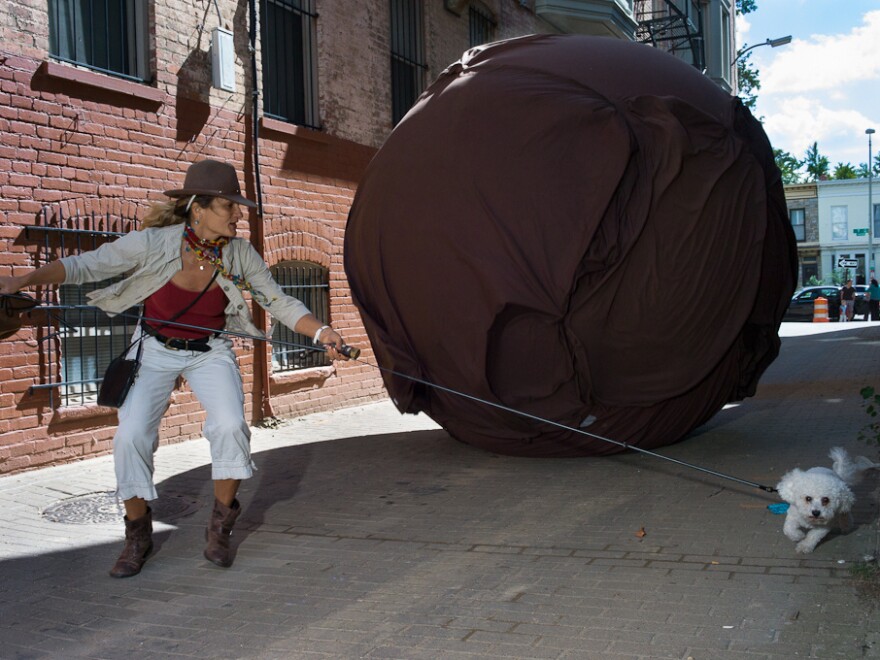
(798, 221)
(840, 223)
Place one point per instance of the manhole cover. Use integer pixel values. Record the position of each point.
(104, 508)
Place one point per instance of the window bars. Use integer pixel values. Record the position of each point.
(407, 56)
(76, 341)
(109, 36)
(481, 25)
(309, 283)
(289, 78)
(675, 26)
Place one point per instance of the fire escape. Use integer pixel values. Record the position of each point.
(675, 26)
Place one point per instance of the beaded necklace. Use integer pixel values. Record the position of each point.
(212, 252)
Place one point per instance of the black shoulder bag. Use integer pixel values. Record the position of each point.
(119, 377)
(122, 372)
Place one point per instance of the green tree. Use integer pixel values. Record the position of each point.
(748, 80)
(816, 164)
(845, 171)
(788, 165)
(839, 276)
(862, 171)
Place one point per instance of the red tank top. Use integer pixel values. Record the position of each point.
(170, 299)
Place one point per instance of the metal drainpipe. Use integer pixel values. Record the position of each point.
(261, 355)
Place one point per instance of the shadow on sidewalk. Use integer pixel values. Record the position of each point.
(402, 524)
(330, 524)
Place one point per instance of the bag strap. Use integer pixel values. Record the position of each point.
(140, 341)
(140, 347)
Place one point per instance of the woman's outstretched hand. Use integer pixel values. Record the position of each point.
(10, 284)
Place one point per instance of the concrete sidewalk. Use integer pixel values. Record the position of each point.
(371, 534)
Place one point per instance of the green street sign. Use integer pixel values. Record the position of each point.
(861, 232)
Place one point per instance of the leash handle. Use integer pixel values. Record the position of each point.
(350, 352)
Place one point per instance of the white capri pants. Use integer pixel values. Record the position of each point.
(215, 379)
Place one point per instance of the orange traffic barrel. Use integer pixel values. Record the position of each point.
(820, 310)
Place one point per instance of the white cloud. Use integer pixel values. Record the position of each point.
(742, 28)
(826, 61)
(798, 122)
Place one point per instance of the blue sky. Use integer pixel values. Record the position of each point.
(825, 85)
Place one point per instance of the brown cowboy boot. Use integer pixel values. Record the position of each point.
(138, 544)
(218, 532)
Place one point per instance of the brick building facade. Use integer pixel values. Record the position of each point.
(104, 104)
(87, 149)
(803, 209)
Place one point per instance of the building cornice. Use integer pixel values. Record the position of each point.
(800, 190)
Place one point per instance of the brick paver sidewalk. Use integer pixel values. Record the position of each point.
(370, 534)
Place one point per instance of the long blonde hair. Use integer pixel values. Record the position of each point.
(173, 212)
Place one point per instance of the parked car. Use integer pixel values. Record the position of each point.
(801, 306)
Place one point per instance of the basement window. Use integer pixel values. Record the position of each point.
(310, 283)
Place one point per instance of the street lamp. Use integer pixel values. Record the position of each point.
(869, 132)
(773, 43)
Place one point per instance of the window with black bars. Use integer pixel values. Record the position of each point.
(289, 80)
(407, 56)
(482, 26)
(78, 340)
(309, 283)
(109, 36)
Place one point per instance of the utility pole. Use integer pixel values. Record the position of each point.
(869, 132)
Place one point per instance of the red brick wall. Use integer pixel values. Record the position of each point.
(75, 142)
(76, 148)
(109, 155)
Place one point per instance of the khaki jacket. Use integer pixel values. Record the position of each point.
(149, 258)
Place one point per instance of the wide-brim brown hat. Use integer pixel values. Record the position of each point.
(211, 177)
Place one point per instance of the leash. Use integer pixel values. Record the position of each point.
(353, 354)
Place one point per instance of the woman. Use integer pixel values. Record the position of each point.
(847, 301)
(874, 300)
(186, 258)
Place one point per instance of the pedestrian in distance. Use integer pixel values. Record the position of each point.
(186, 256)
(874, 300)
(847, 301)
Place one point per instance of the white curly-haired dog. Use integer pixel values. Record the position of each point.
(820, 498)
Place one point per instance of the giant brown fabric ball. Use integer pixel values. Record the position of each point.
(583, 229)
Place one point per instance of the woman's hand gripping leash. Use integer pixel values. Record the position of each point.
(346, 351)
(331, 341)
